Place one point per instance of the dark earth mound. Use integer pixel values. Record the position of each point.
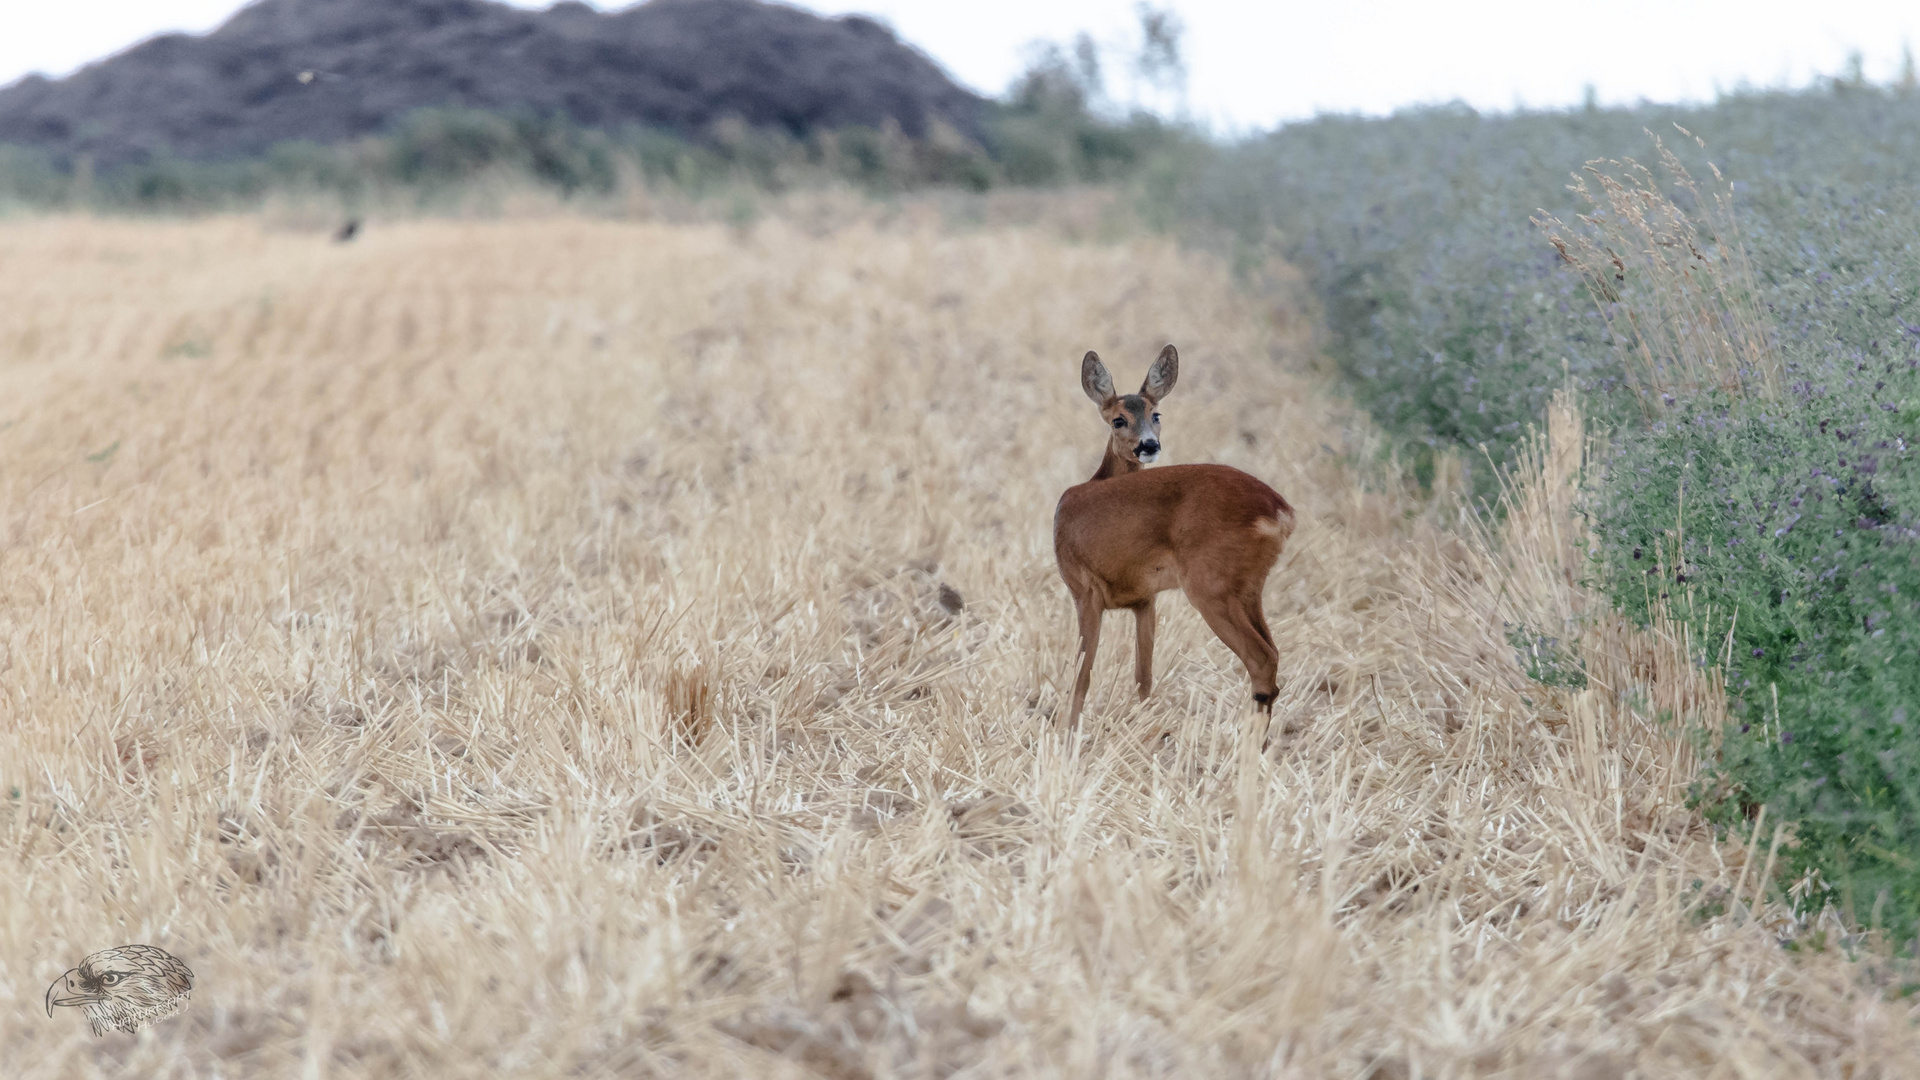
(332, 70)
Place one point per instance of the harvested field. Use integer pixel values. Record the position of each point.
(547, 648)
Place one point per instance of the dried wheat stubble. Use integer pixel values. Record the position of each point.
(519, 648)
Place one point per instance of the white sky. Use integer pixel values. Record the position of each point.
(1258, 63)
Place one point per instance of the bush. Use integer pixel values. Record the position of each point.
(1784, 532)
(434, 154)
(1771, 501)
(1761, 485)
(1444, 309)
(1045, 137)
(28, 178)
(436, 147)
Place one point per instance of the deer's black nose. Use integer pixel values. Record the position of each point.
(1149, 446)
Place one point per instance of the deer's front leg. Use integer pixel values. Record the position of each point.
(1089, 607)
(1143, 625)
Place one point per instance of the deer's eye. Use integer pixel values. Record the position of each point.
(1119, 421)
(1156, 418)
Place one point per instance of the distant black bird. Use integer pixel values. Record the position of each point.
(950, 599)
(125, 988)
(348, 231)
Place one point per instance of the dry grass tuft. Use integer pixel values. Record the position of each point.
(1675, 288)
(574, 649)
(689, 694)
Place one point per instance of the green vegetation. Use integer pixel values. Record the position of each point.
(1779, 521)
(1754, 349)
(1783, 531)
(1042, 135)
(435, 155)
(1449, 315)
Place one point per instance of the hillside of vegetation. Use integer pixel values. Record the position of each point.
(575, 648)
(715, 100)
(1449, 311)
(1742, 319)
(331, 71)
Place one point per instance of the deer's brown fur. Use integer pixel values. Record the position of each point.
(1131, 533)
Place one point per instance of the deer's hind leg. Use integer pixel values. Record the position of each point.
(1232, 611)
(1263, 667)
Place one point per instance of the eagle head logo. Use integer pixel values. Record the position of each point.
(125, 988)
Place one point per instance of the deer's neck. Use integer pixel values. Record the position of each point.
(1114, 465)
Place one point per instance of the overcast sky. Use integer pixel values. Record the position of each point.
(1255, 64)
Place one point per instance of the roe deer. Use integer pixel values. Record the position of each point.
(1129, 534)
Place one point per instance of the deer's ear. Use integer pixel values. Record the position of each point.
(1095, 380)
(1162, 375)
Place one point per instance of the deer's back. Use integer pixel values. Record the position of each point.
(1134, 533)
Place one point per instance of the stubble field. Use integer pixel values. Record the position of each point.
(556, 647)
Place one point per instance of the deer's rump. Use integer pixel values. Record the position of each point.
(1131, 536)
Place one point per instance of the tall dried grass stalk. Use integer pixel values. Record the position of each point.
(1675, 288)
(1642, 678)
(350, 655)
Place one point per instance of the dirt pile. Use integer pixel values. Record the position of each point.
(333, 70)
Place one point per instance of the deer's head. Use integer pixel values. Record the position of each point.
(1133, 424)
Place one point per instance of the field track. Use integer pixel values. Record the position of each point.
(547, 648)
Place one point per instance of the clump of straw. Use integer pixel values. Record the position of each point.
(1674, 289)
